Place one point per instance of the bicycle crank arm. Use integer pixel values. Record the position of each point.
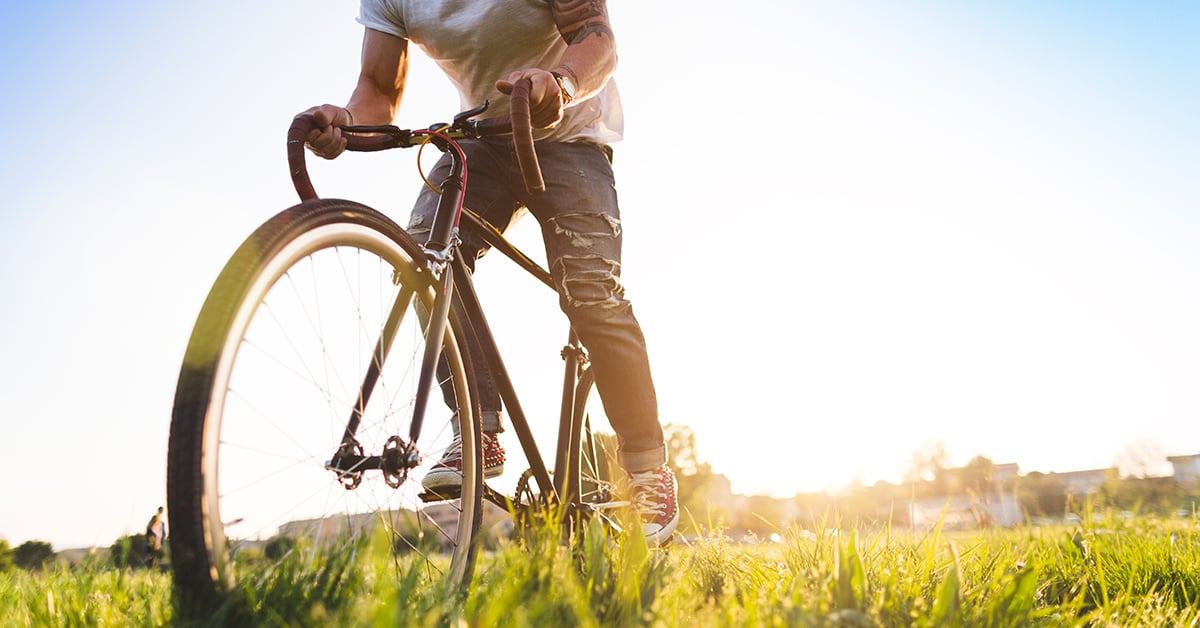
(394, 460)
(354, 463)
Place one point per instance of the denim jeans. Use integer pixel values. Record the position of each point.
(581, 230)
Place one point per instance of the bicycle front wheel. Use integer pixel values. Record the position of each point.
(275, 385)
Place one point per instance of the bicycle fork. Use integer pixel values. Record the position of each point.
(349, 462)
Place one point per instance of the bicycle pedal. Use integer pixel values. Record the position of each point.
(441, 495)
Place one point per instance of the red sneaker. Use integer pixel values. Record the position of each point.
(655, 499)
(447, 473)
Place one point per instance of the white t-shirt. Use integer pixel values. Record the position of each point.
(477, 42)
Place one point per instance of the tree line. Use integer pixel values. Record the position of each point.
(1038, 495)
(36, 555)
(30, 555)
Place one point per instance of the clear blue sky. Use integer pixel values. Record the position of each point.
(982, 227)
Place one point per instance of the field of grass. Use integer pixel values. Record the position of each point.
(1104, 572)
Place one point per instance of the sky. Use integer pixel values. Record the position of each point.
(851, 229)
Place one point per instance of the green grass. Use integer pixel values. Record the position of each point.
(1115, 572)
(85, 596)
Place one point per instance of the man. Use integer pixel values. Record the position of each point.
(567, 51)
(156, 533)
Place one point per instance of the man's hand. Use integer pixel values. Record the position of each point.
(545, 98)
(326, 140)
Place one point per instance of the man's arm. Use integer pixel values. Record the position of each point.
(591, 55)
(589, 60)
(376, 97)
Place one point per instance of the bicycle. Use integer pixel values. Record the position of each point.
(302, 419)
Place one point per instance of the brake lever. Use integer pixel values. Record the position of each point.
(461, 120)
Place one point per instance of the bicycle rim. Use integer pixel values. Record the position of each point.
(271, 376)
(598, 470)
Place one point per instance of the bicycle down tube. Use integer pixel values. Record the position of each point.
(574, 358)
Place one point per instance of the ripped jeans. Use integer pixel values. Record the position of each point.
(581, 230)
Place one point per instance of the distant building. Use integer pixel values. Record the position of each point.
(1083, 483)
(1002, 473)
(966, 511)
(440, 520)
(328, 527)
(1186, 469)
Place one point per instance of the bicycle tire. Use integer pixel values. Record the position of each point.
(269, 378)
(596, 472)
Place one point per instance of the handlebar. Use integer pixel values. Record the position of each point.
(383, 137)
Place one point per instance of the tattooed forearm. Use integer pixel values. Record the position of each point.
(579, 19)
(592, 28)
(591, 54)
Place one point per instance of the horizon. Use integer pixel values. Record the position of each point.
(829, 492)
(845, 490)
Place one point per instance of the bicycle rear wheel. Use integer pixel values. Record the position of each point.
(595, 471)
(273, 372)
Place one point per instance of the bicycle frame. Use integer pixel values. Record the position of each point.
(452, 276)
(570, 429)
(456, 278)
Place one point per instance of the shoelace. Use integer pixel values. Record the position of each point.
(648, 493)
(454, 450)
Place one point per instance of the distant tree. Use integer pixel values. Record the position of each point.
(6, 557)
(279, 547)
(33, 554)
(128, 551)
(693, 475)
(1146, 495)
(685, 456)
(1042, 495)
(977, 476)
(888, 501)
(927, 469)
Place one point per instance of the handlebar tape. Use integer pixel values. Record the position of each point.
(519, 122)
(522, 126)
(301, 126)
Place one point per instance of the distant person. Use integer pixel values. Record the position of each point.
(156, 533)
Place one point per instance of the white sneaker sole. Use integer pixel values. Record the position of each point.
(440, 479)
(657, 535)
